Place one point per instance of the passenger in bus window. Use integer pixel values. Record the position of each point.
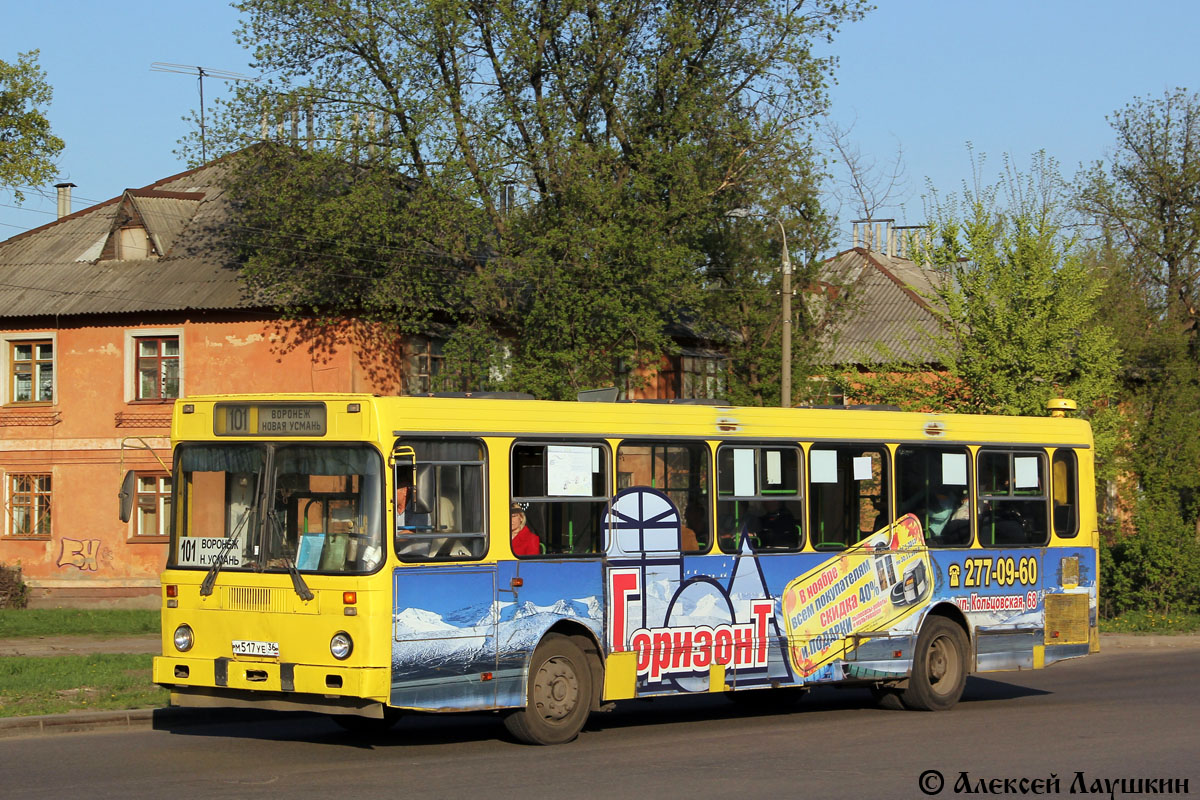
(694, 531)
(776, 527)
(524, 541)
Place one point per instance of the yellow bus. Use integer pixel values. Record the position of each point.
(364, 556)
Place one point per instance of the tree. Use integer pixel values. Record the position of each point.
(27, 147)
(1148, 199)
(1144, 208)
(1019, 307)
(549, 179)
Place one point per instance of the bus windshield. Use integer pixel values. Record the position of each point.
(271, 507)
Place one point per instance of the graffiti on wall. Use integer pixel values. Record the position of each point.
(82, 554)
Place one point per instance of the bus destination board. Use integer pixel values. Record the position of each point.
(269, 419)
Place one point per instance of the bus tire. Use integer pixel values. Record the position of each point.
(939, 670)
(558, 697)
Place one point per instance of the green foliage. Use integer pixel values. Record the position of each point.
(1137, 621)
(1147, 200)
(1019, 306)
(77, 622)
(58, 684)
(1019, 303)
(27, 147)
(549, 182)
(1144, 207)
(14, 593)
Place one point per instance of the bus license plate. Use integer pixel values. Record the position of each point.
(247, 648)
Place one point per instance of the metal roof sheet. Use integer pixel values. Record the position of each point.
(55, 269)
(889, 314)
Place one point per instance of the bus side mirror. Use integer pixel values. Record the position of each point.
(126, 495)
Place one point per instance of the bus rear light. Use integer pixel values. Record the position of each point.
(172, 590)
(486, 676)
(349, 598)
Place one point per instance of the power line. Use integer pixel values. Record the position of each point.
(201, 73)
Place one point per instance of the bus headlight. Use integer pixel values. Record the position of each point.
(183, 638)
(341, 645)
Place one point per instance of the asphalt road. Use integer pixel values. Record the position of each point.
(1127, 713)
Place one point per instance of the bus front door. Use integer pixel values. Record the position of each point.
(444, 637)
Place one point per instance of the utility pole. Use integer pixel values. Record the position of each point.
(785, 371)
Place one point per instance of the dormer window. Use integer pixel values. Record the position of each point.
(146, 224)
(134, 243)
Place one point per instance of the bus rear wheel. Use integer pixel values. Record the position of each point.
(939, 671)
(558, 698)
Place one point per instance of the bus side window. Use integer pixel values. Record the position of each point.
(1064, 476)
(440, 501)
(565, 489)
(759, 497)
(680, 471)
(1013, 498)
(932, 483)
(849, 494)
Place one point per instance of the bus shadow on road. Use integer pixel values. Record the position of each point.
(453, 729)
(988, 689)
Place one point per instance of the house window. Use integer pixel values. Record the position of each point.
(157, 367)
(133, 244)
(701, 377)
(32, 370)
(153, 505)
(28, 505)
(425, 363)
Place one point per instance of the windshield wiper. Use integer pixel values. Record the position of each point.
(206, 588)
(298, 584)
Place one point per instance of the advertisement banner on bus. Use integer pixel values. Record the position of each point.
(871, 586)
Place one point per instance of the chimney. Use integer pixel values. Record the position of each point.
(64, 198)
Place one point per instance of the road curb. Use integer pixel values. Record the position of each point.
(134, 719)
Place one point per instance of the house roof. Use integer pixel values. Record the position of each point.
(888, 314)
(66, 267)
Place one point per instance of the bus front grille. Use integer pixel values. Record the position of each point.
(246, 598)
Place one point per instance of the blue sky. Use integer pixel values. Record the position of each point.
(925, 76)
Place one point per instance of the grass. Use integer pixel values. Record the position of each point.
(15, 622)
(55, 685)
(1151, 622)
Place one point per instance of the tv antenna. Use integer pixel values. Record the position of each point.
(201, 73)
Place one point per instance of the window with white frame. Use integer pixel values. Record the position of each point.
(27, 504)
(31, 371)
(157, 367)
(153, 503)
(154, 368)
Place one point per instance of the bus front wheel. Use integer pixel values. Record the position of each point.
(558, 698)
(939, 670)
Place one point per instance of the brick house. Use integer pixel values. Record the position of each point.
(887, 315)
(110, 313)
